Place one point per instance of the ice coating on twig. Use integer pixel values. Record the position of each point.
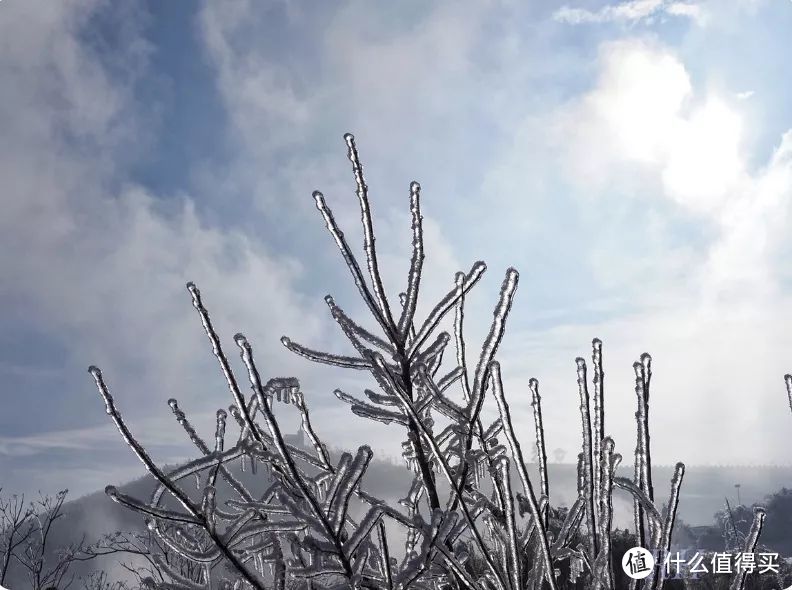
(738, 581)
(368, 232)
(602, 564)
(643, 457)
(493, 340)
(598, 421)
(348, 362)
(416, 263)
(192, 512)
(445, 305)
(588, 458)
(668, 526)
(514, 445)
(536, 404)
(349, 258)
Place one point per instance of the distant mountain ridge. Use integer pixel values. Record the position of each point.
(703, 492)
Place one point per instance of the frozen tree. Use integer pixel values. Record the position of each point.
(472, 516)
(27, 537)
(16, 528)
(101, 581)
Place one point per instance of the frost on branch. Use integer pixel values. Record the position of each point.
(471, 515)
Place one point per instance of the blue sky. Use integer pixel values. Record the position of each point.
(631, 160)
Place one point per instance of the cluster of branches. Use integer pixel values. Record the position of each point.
(472, 517)
(27, 542)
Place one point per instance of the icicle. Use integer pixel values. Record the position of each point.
(220, 428)
(208, 507)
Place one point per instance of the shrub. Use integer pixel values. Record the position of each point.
(493, 529)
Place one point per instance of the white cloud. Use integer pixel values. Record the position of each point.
(639, 97)
(649, 153)
(643, 115)
(703, 156)
(632, 11)
(644, 111)
(99, 266)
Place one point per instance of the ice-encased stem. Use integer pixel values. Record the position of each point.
(348, 362)
(640, 532)
(598, 423)
(536, 403)
(603, 566)
(738, 582)
(387, 572)
(588, 467)
(217, 349)
(351, 262)
(416, 264)
(368, 236)
(444, 306)
(459, 339)
(177, 493)
(668, 525)
(481, 375)
(493, 340)
(519, 460)
(321, 452)
(432, 443)
(246, 352)
(515, 573)
(643, 374)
